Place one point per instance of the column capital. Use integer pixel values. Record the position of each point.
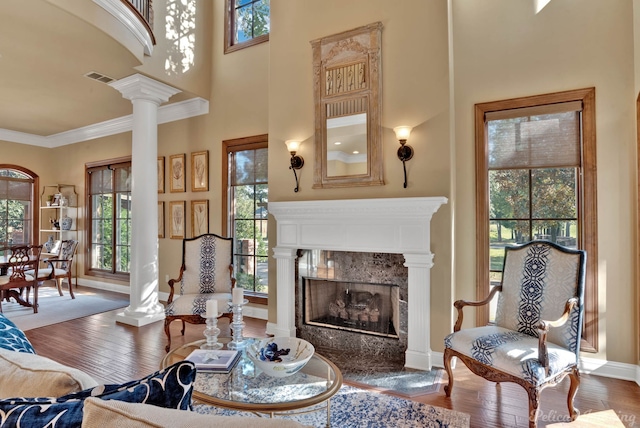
(137, 86)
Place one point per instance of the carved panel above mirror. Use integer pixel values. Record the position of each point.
(347, 96)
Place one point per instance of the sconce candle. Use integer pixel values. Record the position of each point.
(297, 162)
(405, 152)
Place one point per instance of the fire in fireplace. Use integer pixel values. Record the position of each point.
(354, 306)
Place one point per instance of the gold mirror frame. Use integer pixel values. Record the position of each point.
(346, 80)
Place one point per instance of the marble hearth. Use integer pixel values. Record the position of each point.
(393, 225)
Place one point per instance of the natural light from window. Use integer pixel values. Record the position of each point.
(180, 25)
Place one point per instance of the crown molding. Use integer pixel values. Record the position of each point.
(168, 113)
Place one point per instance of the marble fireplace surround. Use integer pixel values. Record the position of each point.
(385, 225)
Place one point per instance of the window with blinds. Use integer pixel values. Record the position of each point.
(536, 179)
(16, 207)
(109, 205)
(247, 201)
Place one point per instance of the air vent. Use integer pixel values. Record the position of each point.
(99, 77)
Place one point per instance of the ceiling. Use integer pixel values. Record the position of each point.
(44, 54)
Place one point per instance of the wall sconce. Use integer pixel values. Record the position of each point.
(404, 152)
(296, 161)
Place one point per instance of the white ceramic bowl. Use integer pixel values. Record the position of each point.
(268, 355)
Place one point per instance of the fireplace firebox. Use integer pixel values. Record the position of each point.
(367, 308)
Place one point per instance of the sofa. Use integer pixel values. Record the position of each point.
(36, 391)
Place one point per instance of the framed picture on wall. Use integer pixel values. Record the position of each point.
(160, 219)
(177, 173)
(200, 171)
(161, 174)
(199, 217)
(176, 219)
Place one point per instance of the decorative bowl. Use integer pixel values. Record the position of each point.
(280, 356)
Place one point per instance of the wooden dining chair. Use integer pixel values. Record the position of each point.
(22, 260)
(59, 267)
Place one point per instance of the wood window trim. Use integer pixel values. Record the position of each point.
(35, 199)
(118, 276)
(587, 209)
(237, 144)
(229, 30)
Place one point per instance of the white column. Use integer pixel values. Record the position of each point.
(418, 354)
(286, 293)
(146, 95)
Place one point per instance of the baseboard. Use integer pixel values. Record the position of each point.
(592, 366)
(254, 311)
(612, 369)
(124, 289)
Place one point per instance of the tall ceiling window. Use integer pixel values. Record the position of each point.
(109, 212)
(536, 180)
(246, 213)
(246, 23)
(17, 201)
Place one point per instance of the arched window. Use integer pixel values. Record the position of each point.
(18, 197)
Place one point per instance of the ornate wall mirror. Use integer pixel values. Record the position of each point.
(347, 96)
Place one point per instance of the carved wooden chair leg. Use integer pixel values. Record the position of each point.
(58, 282)
(183, 327)
(70, 286)
(534, 404)
(447, 366)
(168, 333)
(574, 376)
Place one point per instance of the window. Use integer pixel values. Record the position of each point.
(246, 213)
(246, 23)
(535, 169)
(109, 226)
(17, 201)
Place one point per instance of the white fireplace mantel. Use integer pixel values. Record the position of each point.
(392, 225)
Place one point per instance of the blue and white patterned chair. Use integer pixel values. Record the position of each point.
(535, 340)
(206, 273)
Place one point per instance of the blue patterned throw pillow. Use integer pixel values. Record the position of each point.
(170, 388)
(12, 338)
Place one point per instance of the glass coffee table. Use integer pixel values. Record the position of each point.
(247, 388)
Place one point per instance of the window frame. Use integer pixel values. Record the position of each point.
(235, 145)
(230, 29)
(88, 270)
(587, 209)
(35, 199)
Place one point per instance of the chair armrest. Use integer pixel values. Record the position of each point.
(233, 280)
(174, 281)
(543, 329)
(459, 304)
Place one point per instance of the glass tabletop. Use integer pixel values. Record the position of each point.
(246, 387)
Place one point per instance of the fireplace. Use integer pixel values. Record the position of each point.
(397, 227)
(359, 307)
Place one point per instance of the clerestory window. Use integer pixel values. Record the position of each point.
(246, 23)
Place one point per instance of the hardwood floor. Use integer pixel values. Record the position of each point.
(115, 353)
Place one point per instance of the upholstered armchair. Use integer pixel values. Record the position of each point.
(535, 340)
(206, 273)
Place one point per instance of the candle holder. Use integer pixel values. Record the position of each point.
(237, 325)
(211, 334)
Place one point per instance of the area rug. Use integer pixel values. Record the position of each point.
(53, 308)
(355, 408)
(408, 383)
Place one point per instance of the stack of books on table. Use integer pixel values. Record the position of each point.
(206, 360)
